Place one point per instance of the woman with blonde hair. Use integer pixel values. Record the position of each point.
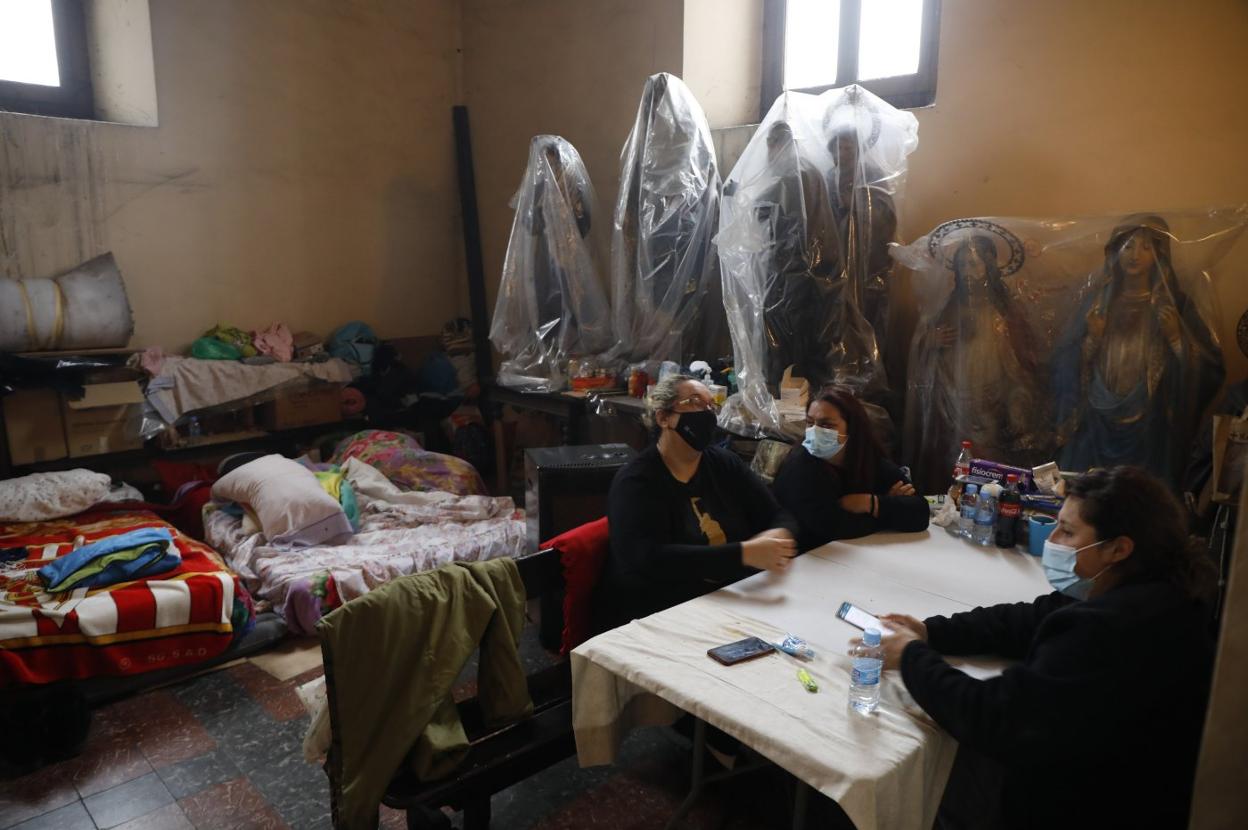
(685, 517)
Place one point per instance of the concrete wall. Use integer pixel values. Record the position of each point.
(574, 69)
(303, 170)
(1068, 108)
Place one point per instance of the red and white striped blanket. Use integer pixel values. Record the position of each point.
(180, 617)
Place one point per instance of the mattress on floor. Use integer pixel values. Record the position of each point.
(393, 541)
(179, 618)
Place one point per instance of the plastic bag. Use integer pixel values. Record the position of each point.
(551, 305)
(355, 343)
(210, 348)
(805, 221)
(1085, 340)
(232, 336)
(663, 263)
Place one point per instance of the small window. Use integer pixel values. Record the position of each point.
(43, 58)
(886, 46)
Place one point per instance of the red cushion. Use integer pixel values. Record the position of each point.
(173, 474)
(583, 552)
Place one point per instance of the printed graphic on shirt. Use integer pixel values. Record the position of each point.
(706, 523)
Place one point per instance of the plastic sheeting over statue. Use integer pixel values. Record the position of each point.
(664, 271)
(1139, 362)
(551, 305)
(803, 232)
(1011, 354)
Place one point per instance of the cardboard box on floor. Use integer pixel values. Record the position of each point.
(35, 427)
(320, 403)
(108, 418)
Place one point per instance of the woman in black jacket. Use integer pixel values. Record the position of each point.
(1099, 724)
(838, 484)
(685, 518)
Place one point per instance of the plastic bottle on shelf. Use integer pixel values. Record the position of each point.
(864, 678)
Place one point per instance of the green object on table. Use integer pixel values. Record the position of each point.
(807, 680)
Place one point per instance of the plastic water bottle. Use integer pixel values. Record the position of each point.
(985, 516)
(966, 521)
(864, 677)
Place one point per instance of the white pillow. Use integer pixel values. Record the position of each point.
(290, 503)
(42, 496)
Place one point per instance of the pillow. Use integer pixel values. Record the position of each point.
(293, 508)
(42, 496)
(583, 552)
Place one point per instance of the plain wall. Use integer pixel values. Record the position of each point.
(303, 171)
(723, 58)
(1070, 108)
(574, 69)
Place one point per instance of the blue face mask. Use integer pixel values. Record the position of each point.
(823, 443)
(1059, 567)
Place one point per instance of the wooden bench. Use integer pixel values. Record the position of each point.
(501, 757)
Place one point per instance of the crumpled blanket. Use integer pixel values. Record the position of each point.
(420, 506)
(423, 531)
(187, 384)
(42, 496)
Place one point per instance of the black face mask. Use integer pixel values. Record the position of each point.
(696, 428)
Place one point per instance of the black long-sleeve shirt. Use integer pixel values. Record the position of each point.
(672, 541)
(811, 490)
(1100, 724)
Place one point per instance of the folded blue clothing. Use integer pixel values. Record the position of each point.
(153, 552)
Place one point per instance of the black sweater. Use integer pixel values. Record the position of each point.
(811, 490)
(673, 541)
(1100, 724)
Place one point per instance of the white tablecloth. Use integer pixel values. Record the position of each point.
(886, 770)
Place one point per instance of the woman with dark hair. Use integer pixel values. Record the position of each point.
(1138, 364)
(838, 484)
(685, 517)
(1099, 724)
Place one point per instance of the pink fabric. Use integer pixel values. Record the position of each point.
(152, 360)
(277, 342)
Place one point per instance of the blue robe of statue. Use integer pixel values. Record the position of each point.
(1137, 365)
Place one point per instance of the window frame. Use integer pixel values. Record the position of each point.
(902, 91)
(73, 98)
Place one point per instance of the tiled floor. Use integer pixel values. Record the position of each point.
(224, 751)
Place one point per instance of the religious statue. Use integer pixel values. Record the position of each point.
(1137, 365)
(551, 305)
(663, 265)
(974, 362)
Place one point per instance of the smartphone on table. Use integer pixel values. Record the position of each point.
(740, 651)
(858, 618)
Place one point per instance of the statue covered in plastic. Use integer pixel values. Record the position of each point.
(974, 368)
(786, 292)
(1138, 362)
(663, 264)
(868, 142)
(551, 305)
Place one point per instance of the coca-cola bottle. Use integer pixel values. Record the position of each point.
(1009, 505)
(962, 466)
